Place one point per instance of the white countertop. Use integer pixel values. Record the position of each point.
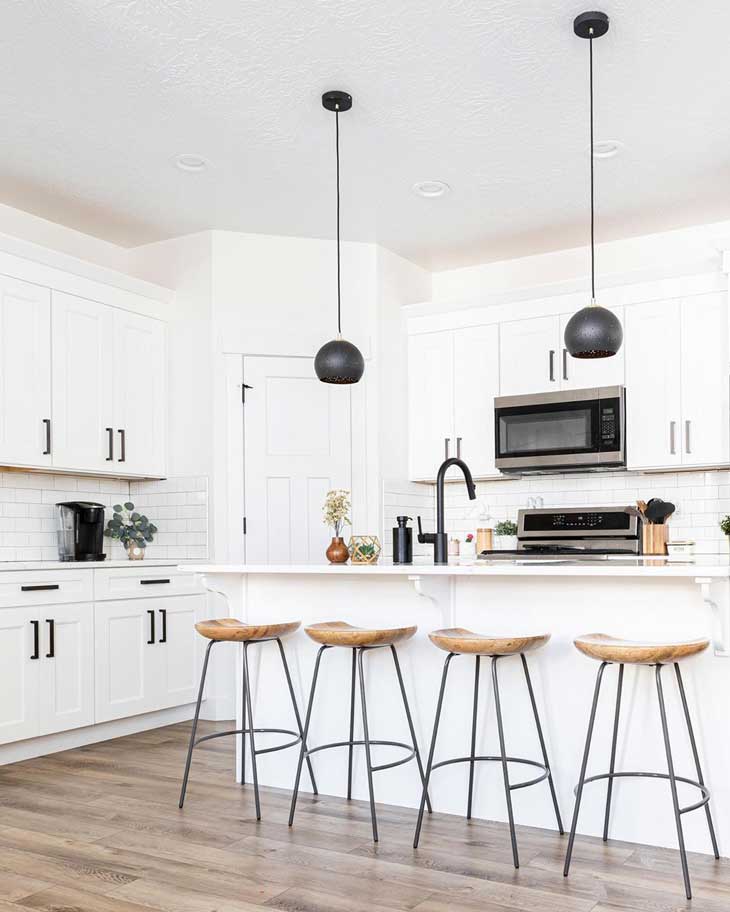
(699, 566)
(85, 565)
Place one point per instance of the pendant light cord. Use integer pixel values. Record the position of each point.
(593, 242)
(337, 157)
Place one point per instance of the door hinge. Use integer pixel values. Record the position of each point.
(244, 387)
(244, 525)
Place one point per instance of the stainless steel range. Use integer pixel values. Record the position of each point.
(575, 531)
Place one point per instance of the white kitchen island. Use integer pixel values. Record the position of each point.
(650, 598)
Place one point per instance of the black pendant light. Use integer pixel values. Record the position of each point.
(594, 331)
(338, 361)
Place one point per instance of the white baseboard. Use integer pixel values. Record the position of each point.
(104, 731)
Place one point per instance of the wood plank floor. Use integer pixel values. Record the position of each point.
(98, 829)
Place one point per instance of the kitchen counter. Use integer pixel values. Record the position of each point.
(86, 565)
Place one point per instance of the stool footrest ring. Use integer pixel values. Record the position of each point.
(257, 731)
(640, 775)
(515, 785)
(375, 769)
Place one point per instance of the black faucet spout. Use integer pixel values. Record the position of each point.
(440, 541)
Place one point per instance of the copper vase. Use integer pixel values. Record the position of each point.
(337, 553)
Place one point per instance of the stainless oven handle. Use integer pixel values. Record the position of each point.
(687, 446)
(552, 365)
(672, 441)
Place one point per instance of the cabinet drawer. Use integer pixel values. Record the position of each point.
(45, 587)
(143, 582)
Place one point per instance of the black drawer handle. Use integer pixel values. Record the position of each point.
(51, 654)
(151, 614)
(163, 638)
(36, 640)
(42, 588)
(153, 582)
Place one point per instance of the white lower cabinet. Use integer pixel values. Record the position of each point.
(145, 655)
(19, 676)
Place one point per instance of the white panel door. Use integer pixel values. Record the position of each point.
(705, 386)
(127, 663)
(653, 385)
(476, 383)
(296, 448)
(530, 356)
(430, 403)
(19, 674)
(67, 667)
(139, 394)
(82, 342)
(179, 648)
(25, 373)
(584, 373)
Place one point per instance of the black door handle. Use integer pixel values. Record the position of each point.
(36, 640)
(163, 614)
(123, 443)
(42, 588)
(47, 422)
(110, 432)
(51, 654)
(153, 582)
(151, 640)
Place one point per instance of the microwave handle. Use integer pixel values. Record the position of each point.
(551, 362)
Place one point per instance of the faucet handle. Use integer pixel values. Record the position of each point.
(424, 538)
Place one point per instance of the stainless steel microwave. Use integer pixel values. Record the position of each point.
(570, 430)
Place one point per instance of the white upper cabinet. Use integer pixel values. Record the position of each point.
(83, 334)
(530, 356)
(25, 373)
(585, 373)
(139, 394)
(476, 383)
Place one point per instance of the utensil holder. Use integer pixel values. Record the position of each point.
(654, 538)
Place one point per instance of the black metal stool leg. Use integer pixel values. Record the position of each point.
(410, 725)
(244, 716)
(432, 748)
(696, 756)
(352, 724)
(612, 767)
(303, 751)
(249, 707)
(195, 724)
(473, 738)
(505, 771)
(673, 783)
(542, 744)
(366, 736)
(581, 780)
(296, 711)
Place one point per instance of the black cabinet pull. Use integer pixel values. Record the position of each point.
(551, 360)
(153, 582)
(123, 444)
(51, 654)
(42, 588)
(47, 422)
(163, 637)
(36, 640)
(151, 640)
(565, 364)
(110, 432)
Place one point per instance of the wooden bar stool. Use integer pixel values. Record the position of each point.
(610, 650)
(230, 630)
(359, 640)
(457, 641)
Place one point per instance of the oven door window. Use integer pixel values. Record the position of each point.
(548, 430)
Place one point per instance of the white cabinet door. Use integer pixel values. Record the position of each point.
(653, 385)
(19, 674)
(179, 648)
(430, 402)
(139, 394)
(584, 373)
(82, 342)
(705, 385)
(476, 383)
(127, 664)
(25, 373)
(67, 667)
(530, 356)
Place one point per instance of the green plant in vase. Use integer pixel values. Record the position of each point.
(130, 528)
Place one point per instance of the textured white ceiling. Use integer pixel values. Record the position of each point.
(98, 96)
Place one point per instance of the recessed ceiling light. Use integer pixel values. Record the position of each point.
(607, 148)
(189, 161)
(431, 188)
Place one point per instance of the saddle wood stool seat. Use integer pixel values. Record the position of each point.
(609, 650)
(231, 630)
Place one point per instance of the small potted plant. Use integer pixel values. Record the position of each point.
(132, 529)
(725, 526)
(505, 535)
(468, 547)
(335, 515)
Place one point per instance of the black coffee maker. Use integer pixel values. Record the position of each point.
(80, 531)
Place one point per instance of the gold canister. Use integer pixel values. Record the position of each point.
(485, 541)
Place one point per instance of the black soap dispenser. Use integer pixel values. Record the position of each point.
(402, 541)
